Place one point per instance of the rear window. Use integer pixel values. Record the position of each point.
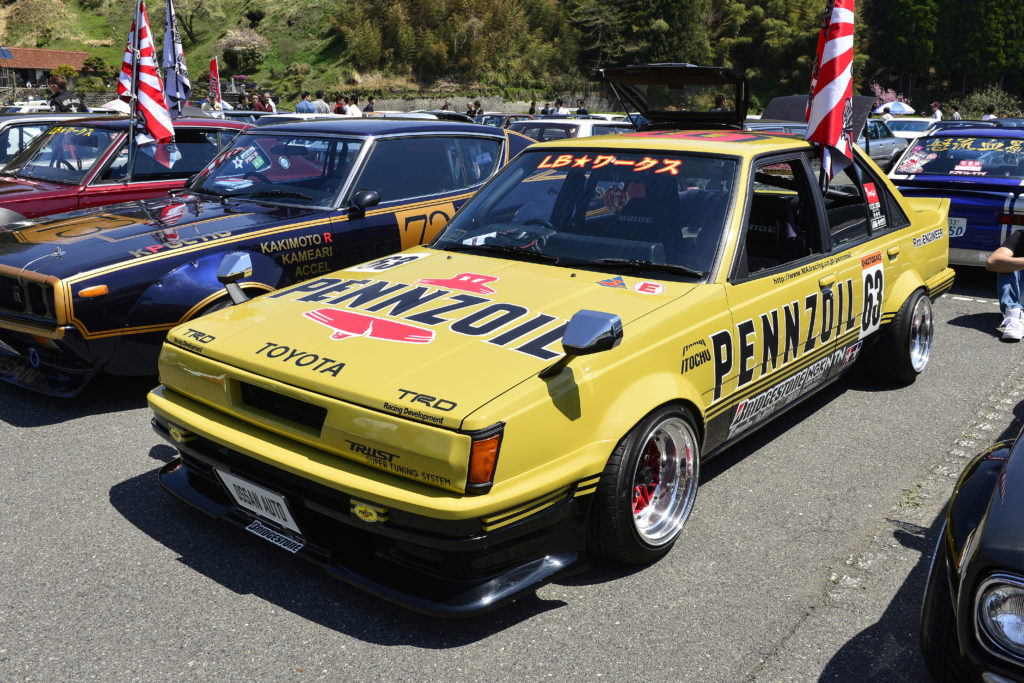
(965, 156)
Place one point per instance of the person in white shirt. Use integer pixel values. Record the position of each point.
(990, 113)
(353, 107)
(560, 107)
(936, 112)
(956, 114)
(886, 115)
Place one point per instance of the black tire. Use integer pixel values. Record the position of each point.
(906, 347)
(640, 505)
(939, 642)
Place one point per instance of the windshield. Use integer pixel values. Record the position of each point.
(601, 208)
(897, 124)
(965, 156)
(65, 154)
(292, 169)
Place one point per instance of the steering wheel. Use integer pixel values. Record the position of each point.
(57, 163)
(542, 222)
(258, 176)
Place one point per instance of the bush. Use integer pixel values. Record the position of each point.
(976, 104)
(65, 70)
(243, 49)
(91, 84)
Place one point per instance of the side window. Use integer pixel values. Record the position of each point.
(845, 206)
(781, 224)
(117, 170)
(480, 157)
(15, 139)
(857, 208)
(403, 168)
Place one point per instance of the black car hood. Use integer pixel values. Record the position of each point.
(81, 241)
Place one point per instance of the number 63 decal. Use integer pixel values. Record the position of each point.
(874, 287)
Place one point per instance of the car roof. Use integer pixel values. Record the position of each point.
(29, 117)
(984, 131)
(377, 126)
(709, 141)
(121, 123)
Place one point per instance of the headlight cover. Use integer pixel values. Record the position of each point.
(999, 614)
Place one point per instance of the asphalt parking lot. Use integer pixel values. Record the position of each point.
(805, 556)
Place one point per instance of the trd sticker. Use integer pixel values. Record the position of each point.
(649, 288)
(426, 399)
(464, 282)
(388, 262)
(349, 324)
(616, 282)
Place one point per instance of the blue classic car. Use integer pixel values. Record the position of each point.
(97, 290)
(981, 170)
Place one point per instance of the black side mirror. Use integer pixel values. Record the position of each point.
(587, 332)
(364, 199)
(234, 267)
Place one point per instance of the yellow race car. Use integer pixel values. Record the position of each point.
(454, 425)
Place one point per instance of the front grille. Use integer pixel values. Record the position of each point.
(26, 297)
(284, 407)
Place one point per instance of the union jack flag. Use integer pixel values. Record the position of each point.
(148, 92)
(830, 105)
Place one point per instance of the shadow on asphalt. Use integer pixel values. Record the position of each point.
(105, 394)
(246, 565)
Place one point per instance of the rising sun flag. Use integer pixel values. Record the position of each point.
(139, 84)
(830, 105)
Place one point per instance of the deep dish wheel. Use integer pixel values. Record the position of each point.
(908, 344)
(647, 489)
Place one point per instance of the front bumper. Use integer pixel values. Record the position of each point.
(59, 366)
(451, 568)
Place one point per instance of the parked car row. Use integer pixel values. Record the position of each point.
(469, 361)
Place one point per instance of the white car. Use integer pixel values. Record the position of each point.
(908, 127)
(543, 130)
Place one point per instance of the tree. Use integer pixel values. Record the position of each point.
(243, 50)
(65, 70)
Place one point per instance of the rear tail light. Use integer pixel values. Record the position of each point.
(1010, 218)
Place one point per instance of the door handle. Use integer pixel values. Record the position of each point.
(827, 281)
(893, 252)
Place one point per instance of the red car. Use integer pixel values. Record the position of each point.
(83, 163)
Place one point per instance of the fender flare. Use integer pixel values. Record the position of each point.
(192, 286)
(646, 394)
(7, 216)
(905, 285)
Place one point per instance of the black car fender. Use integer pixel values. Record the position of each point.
(191, 288)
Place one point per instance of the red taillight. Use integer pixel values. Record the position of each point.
(1010, 218)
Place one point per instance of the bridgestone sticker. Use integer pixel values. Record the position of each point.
(280, 540)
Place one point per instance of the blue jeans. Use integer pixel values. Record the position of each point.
(1008, 288)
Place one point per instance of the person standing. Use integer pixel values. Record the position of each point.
(581, 108)
(560, 108)
(305, 105)
(63, 99)
(211, 103)
(265, 103)
(956, 114)
(886, 115)
(447, 106)
(321, 106)
(470, 111)
(371, 102)
(936, 112)
(353, 107)
(533, 108)
(990, 113)
(243, 102)
(546, 111)
(341, 105)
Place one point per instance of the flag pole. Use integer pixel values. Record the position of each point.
(134, 91)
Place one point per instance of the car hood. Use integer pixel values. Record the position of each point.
(432, 339)
(12, 188)
(81, 241)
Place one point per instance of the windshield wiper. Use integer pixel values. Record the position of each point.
(273, 193)
(505, 250)
(636, 264)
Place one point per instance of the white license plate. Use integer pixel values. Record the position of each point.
(259, 500)
(957, 227)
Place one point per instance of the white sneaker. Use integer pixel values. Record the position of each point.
(1014, 325)
(1002, 325)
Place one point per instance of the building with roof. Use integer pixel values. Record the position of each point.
(32, 65)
